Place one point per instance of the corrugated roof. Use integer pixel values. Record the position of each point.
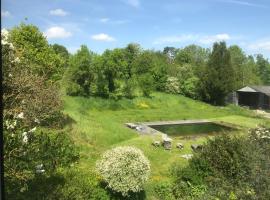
(263, 89)
(258, 88)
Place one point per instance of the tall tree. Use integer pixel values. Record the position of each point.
(238, 59)
(263, 66)
(218, 77)
(113, 64)
(170, 52)
(81, 72)
(35, 52)
(62, 52)
(132, 51)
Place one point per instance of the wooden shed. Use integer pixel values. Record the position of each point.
(256, 97)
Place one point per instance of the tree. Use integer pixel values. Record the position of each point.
(217, 79)
(32, 47)
(159, 70)
(131, 52)
(238, 60)
(170, 52)
(113, 65)
(31, 104)
(81, 72)
(143, 67)
(62, 52)
(263, 66)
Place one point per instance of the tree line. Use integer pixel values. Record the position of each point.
(196, 72)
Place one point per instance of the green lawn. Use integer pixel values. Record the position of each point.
(100, 126)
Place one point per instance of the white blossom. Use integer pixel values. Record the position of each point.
(124, 169)
(17, 60)
(40, 171)
(25, 137)
(4, 32)
(39, 166)
(20, 116)
(36, 121)
(33, 130)
(11, 46)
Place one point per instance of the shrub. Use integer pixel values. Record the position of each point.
(172, 85)
(235, 167)
(80, 186)
(30, 101)
(128, 89)
(145, 83)
(31, 153)
(124, 169)
(164, 191)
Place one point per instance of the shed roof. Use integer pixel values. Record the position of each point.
(256, 88)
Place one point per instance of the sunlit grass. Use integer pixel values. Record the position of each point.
(100, 126)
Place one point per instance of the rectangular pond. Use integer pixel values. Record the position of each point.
(192, 129)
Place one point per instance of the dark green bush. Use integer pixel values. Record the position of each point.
(228, 167)
(164, 191)
(80, 186)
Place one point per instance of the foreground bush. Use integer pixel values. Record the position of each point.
(32, 153)
(124, 169)
(228, 168)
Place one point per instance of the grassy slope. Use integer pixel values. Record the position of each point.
(100, 125)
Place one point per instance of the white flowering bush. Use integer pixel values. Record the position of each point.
(124, 169)
(31, 152)
(260, 132)
(172, 85)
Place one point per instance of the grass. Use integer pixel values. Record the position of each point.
(100, 126)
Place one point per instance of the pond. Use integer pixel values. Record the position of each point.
(192, 129)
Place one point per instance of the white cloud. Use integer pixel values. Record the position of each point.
(58, 12)
(133, 3)
(5, 13)
(116, 22)
(214, 38)
(243, 3)
(104, 20)
(176, 39)
(73, 49)
(102, 37)
(204, 39)
(57, 32)
(260, 45)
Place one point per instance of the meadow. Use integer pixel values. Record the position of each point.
(99, 125)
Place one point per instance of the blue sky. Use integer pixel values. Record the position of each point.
(102, 24)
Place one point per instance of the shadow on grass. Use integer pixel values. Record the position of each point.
(118, 196)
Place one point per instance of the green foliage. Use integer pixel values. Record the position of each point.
(164, 191)
(62, 52)
(124, 169)
(188, 81)
(30, 102)
(30, 153)
(81, 73)
(245, 69)
(113, 63)
(217, 79)
(263, 67)
(145, 83)
(35, 53)
(230, 167)
(129, 87)
(159, 71)
(172, 85)
(80, 186)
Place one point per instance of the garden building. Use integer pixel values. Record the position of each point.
(255, 97)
